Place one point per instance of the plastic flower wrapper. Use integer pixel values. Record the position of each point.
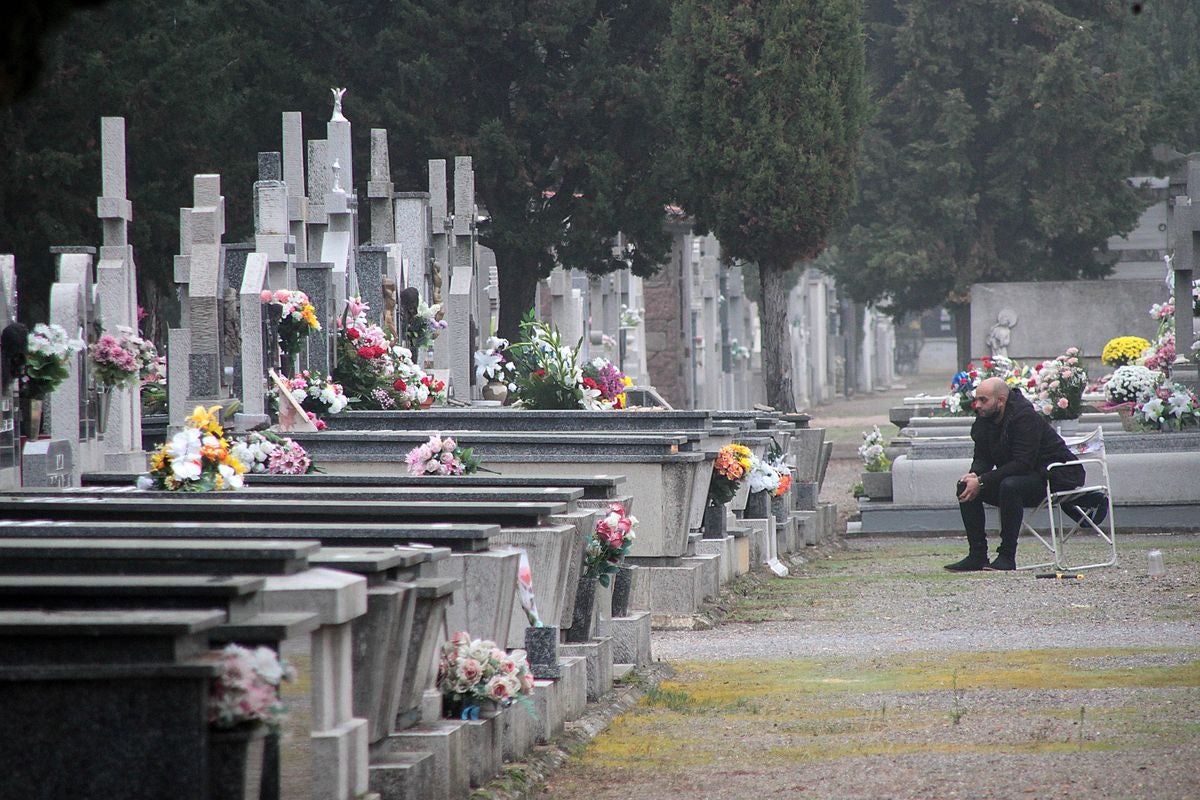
(475, 671)
(872, 452)
(47, 354)
(609, 543)
(442, 456)
(196, 459)
(247, 689)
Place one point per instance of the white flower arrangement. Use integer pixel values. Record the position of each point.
(871, 451)
(763, 476)
(1131, 384)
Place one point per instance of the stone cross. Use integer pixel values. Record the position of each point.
(272, 222)
(116, 279)
(566, 306)
(380, 190)
(413, 221)
(1185, 221)
(194, 363)
(72, 405)
(320, 181)
(440, 228)
(254, 356)
(337, 248)
(293, 176)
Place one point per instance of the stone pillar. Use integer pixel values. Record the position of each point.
(72, 405)
(316, 279)
(380, 190)
(10, 471)
(255, 358)
(293, 176)
(412, 213)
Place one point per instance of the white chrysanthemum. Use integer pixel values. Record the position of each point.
(184, 451)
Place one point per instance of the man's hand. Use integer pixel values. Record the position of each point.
(970, 490)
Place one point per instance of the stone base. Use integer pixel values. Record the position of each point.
(631, 639)
(806, 527)
(404, 776)
(134, 461)
(572, 687)
(340, 760)
(674, 590)
(761, 532)
(547, 704)
(485, 748)
(249, 422)
(710, 574)
(829, 513)
(520, 730)
(741, 554)
(598, 653)
(724, 548)
(446, 740)
(785, 536)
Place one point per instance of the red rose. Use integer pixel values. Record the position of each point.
(399, 385)
(365, 352)
(352, 334)
(437, 387)
(588, 383)
(539, 373)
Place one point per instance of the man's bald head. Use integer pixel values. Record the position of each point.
(991, 396)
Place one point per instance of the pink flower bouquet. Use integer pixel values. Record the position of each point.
(609, 543)
(475, 671)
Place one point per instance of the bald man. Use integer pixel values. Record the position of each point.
(1013, 446)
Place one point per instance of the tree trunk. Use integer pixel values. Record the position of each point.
(776, 334)
(962, 332)
(518, 289)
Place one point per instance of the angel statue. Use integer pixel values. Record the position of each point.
(337, 106)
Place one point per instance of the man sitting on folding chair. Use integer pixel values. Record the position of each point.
(1014, 444)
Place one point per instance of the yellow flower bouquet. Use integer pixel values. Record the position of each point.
(1123, 350)
(197, 459)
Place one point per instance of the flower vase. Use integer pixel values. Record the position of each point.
(758, 505)
(426, 403)
(235, 762)
(31, 419)
(104, 394)
(621, 587)
(779, 507)
(877, 485)
(495, 390)
(714, 521)
(582, 619)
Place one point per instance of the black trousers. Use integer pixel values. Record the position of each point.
(1012, 496)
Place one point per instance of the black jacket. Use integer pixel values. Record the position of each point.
(1023, 443)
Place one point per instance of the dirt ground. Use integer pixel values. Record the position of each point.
(870, 672)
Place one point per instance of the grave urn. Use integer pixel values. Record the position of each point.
(714, 521)
(877, 485)
(780, 508)
(104, 394)
(622, 584)
(585, 604)
(758, 505)
(235, 761)
(495, 390)
(31, 418)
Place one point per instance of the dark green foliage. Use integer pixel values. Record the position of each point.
(768, 103)
(555, 99)
(1003, 137)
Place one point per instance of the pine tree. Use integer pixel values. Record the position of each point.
(1000, 149)
(768, 101)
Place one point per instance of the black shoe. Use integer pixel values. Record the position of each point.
(972, 563)
(1002, 563)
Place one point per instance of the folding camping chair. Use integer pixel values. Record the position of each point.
(1078, 514)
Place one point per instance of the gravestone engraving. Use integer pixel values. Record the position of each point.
(48, 463)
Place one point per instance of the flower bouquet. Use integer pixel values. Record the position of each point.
(871, 451)
(375, 372)
(47, 355)
(268, 453)
(608, 544)
(247, 688)
(494, 371)
(422, 328)
(611, 382)
(1171, 407)
(197, 459)
(549, 373)
(1123, 350)
(762, 476)
(154, 387)
(315, 393)
(1059, 385)
(473, 672)
(118, 361)
(778, 461)
(442, 456)
(296, 315)
(1131, 383)
(961, 399)
(732, 463)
